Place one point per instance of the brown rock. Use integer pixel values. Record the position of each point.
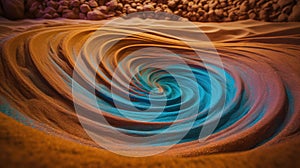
(244, 7)
(47, 16)
(206, 7)
(195, 7)
(283, 17)
(93, 3)
(76, 10)
(283, 3)
(52, 4)
(263, 15)
(13, 9)
(148, 7)
(50, 10)
(39, 14)
(95, 15)
(252, 3)
(232, 16)
(61, 8)
(275, 7)
(75, 3)
(34, 7)
(219, 12)
(243, 17)
(64, 3)
(103, 9)
(131, 10)
(201, 12)
(133, 5)
(295, 15)
(178, 12)
(69, 14)
(287, 10)
(120, 6)
(139, 8)
(112, 4)
(55, 15)
(84, 8)
(171, 4)
(252, 15)
(82, 16)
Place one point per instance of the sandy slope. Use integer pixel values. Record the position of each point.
(263, 59)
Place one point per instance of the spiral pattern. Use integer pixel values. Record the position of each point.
(148, 87)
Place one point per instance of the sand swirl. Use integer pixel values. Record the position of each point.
(147, 83)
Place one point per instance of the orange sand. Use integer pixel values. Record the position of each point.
(24, 146)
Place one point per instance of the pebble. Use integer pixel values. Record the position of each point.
(295, 15)
(84, 8)
(93, 3)
(13, 9)
(75, 3)
(95, 15)
(283, 3)
(283, 17)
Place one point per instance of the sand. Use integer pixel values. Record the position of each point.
(263, 59)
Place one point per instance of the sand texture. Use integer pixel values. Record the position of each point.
(260, 126)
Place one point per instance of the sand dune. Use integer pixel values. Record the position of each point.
(261, 61)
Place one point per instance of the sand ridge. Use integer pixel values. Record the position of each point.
(263, 59)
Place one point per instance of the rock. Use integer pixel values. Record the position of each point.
(93, 3)
(263, 15)
(133, 5)
(148, 7)
(64, 3)
(69, 14)
(223, 4)
(61, 8)
(50, 10)
(84, 8)
(206, 7)
(34, 7)
(195, 7)
(131, 10)
(219, 12)
(252, 3)
(139, 8)
(103, 9)
(120, 6)
(47, 16)
(295, 15)
(76, 11)
(275, 7)
(39, 14)
(82, 16)
(52, 4)
(287, 10)
(75, 3)
(232, 16)
(112, 4)
(171, 4)
(244, 7)
(252, 15)
(13, 9)
(55, 15)
(283, 3)
(178, 12)
(283, 17)
(95, 15)
(243, 17)
(201, 12)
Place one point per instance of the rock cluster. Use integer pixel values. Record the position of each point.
(194, 10)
